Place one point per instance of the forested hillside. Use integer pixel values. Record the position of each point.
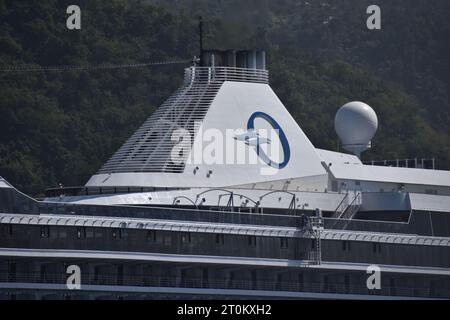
(61, 126)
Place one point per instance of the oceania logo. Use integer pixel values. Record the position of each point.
(262, 142)
(254, 139)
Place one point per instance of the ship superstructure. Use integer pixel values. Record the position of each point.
(261, 213)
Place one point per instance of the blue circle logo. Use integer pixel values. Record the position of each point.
(281, 135)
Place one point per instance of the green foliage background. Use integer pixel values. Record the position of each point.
(61, 126)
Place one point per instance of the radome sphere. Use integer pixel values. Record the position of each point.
(356, 123)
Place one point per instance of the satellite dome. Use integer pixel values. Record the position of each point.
(356, 123)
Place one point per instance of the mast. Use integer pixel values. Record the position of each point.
(200, 29)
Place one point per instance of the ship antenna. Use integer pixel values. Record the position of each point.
(200, 30)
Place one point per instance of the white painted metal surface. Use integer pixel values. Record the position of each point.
(390, 174)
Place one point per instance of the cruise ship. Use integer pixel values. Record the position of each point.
(220, 194)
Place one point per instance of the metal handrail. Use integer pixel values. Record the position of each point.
(352, 207)
(186, 198)
(221, 74)
(337, 212)
(292, 204)
(177, 282)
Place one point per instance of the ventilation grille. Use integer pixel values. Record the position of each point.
(150, 148)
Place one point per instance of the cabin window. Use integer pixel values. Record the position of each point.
(120, 274)
(376, 247)
(252, 241)
(254, 276)
(300, 281)
(432, 288)
(116, 234)
(284, 243)
(96, 273)
(43, 272)
(326, 284)
(98, 233)
(151, 235)
(8, 229)
(89, 232)
(220, 239)
(45, 231)
(346, 246)
(347, 283)
(167, 239)
(186, 237)
(12, 270)
(392, 286)
(81, 233)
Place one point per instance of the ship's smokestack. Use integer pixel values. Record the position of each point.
(247, 59)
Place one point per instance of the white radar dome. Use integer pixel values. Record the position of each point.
(356, 123)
